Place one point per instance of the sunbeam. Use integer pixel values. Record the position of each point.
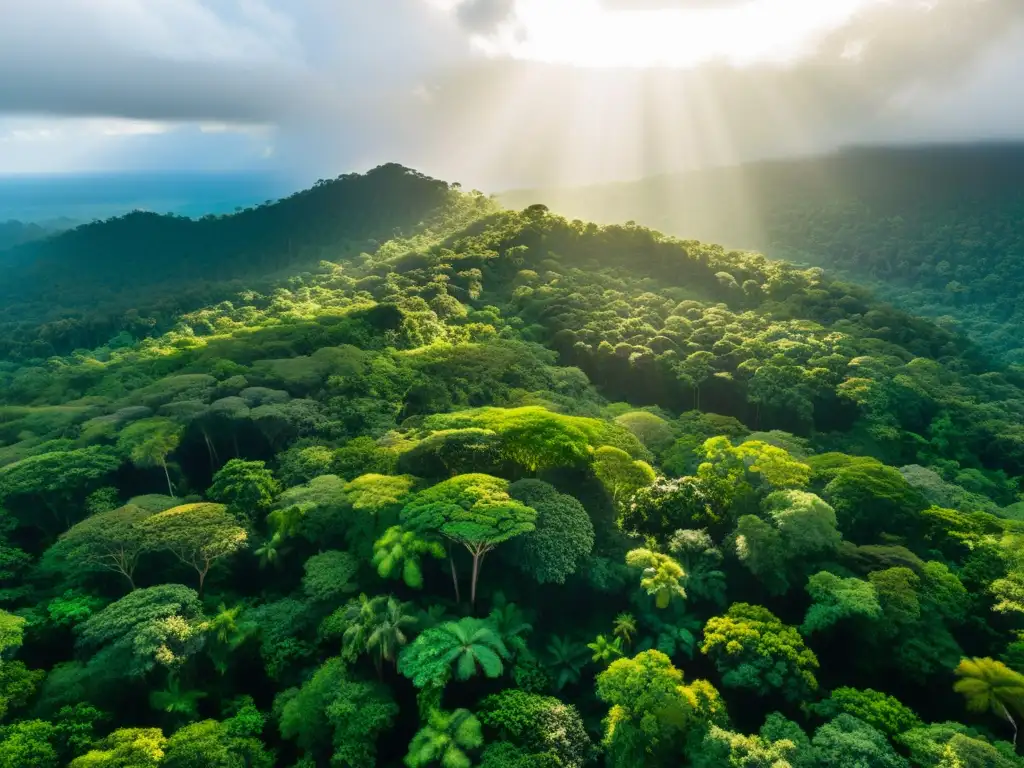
(585, 34)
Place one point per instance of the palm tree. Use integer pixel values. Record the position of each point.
(387, 634)
(445, 739)
(605, 651)
(228, 634)
(475, 643)
(398, 552)
(510, 623)
(466, 646)
(991, 686)
(566, 658)
(225, 624)
(175, 700)
(431, 616)
(354, 620)
(270, 551)
(625, 628)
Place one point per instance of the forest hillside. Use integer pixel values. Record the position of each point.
(386, 475)
(936, 230)
(137, 272)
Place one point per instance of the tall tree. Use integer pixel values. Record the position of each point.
(990, 686)
(473, 510)
(199, 535)
(149, 442)
(621, 474)
(157, 625)
(651, 710)
(562, 539)
(329, 576)
(380, 626)
(107, 541)
(543, 726)
(834, 599)
(248, 489)
(390, 631)
(625, 628)
(753, 649)
(565, 658)
(135, 747)
(337, 720)
(57, 481)
(28, 743)
(848, 741)
(605, 651)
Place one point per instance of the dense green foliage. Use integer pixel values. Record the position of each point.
(935, 230)
(509, 491)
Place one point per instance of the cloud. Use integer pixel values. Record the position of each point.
(328, 86)
(45, 145)
(901, 69)
(150, 59)
(484, 15)
(665, 5)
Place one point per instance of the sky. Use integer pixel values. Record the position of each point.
(495, 93)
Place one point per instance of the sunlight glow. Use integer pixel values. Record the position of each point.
(581, 33)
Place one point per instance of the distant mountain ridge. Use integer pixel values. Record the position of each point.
(14, 233)
(73, 290)
(935, 229)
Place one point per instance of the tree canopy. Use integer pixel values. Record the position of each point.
(249, 483)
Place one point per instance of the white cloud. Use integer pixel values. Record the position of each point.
(120, 127)
(336, 85)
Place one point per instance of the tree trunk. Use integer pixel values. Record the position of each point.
(476, 573)
(170, 488)
(1006, 714)
(202, 579)
(455, 576)
(210, 450)
(478, 560)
